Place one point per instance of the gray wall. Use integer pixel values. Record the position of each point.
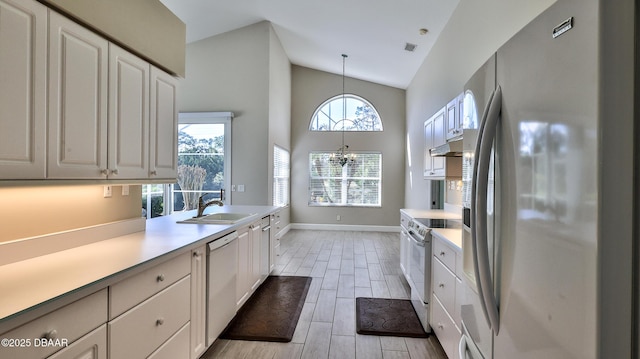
(244, 71)
(310, 88)
(476, 30)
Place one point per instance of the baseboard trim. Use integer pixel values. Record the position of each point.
(345, 227)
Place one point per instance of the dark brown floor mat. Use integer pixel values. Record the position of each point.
(272, 312)
(391, 317)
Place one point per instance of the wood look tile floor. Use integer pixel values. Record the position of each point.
(344, 265)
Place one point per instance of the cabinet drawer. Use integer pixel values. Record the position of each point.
(445, 330)
(138, 332)
(67, 323)
(444, 285)
(126, 294)
(176, 347)
(444, 253)
(91, 346)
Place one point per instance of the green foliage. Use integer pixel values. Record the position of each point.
(157, 205)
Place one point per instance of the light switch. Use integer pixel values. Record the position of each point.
(240, 188)
(107, 191)
(125, 190)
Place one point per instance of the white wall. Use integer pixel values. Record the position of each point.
(476, 30)
(311, 88)
(244, 71)
(279, 108)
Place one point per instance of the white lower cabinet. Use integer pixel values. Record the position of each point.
(174, 347)
(141, 330)
(445, 329)
(64, 325)
(446, 284)
(91, 346)
(198, 301)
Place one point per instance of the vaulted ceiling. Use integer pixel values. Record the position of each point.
(314, 34)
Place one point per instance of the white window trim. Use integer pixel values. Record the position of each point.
(288, 175)
(343, 183)
(215, 117)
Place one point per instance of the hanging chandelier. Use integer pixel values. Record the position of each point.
(341, 156)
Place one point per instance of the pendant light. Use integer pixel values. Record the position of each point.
(341, 157)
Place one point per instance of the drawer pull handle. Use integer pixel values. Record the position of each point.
(160, 321)
(160, 278)
(52, 334)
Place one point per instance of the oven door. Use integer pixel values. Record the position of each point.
(417, 262)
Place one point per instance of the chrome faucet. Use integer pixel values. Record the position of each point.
(202, 205)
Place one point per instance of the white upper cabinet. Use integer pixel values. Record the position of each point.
(128, 137)
(74, 106)
(454, 117)
(78, 67)
(23, 46)
(164, 126)
(434, 135)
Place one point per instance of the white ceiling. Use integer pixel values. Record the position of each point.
(314, 34)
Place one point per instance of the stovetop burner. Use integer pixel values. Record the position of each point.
(432, 222)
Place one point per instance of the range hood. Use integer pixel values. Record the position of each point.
(453, 148)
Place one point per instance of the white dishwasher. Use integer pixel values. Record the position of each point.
(222, 269)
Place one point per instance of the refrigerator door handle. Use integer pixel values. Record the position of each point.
(473, 216)
(483, 159)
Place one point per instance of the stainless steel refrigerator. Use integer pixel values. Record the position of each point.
(530, 192)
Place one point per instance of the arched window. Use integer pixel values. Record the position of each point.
(358, 115)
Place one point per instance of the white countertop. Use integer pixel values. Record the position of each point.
(431, 213)
(30, 283)
(453, 235)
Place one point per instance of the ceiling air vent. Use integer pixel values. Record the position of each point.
(410, 47)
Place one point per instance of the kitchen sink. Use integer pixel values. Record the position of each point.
(218, 218)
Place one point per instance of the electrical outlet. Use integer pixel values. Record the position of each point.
(338, 217)
(107, 191)
(125, 190)
(233, 188)
(240, 188)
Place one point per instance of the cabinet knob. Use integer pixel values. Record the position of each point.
(440, 326)
(197, 254)
(442, 254)
(153, 173)
(160, 321)
(114, 172)
(160, 278)
(52, 334)
(104, 172)
(441, 285)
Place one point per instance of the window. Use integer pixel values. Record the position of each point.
(281, 175)
(355, 184)
(358, 115)
(204, 165)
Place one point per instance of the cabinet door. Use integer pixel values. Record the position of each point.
(128, 115)
(78, 65)
(244, 266)
(23, 55)
(452, 119)
(460, 117)
(439, 138)
(90, 346)
(428, 144)
(164, 126)
(198, 302)
(256, 238)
